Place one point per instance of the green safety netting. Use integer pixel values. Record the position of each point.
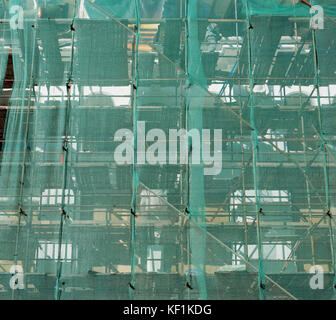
(82, 82)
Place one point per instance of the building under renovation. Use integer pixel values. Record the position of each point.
(101, 199)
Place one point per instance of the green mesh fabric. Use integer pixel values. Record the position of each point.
(288, 7)
(81, 225)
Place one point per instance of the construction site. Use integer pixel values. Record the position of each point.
(76, 223)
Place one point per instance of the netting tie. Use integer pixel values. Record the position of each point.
(188, 285)
(72, 27)
(135, 28)
(22, 212)
(250, 27)
(65, 148)
(133, 213)
(68, 85)
(134, 86)
(329, 214)
(22, 183)
(262, 286)
(261, 211)
(186, 211)
(131, 286)
(65, 214)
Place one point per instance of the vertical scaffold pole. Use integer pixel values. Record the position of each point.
(254, 141)
(325, 155)
(66, 154)
(135, 177)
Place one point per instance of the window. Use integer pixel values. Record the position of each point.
(49, 250)
(54, 196)
(278, 139)
(265, 196)
(47, 254)
(151, 200)
(154, 258)
(270, 250)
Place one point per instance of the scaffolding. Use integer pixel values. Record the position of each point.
(78, 224)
